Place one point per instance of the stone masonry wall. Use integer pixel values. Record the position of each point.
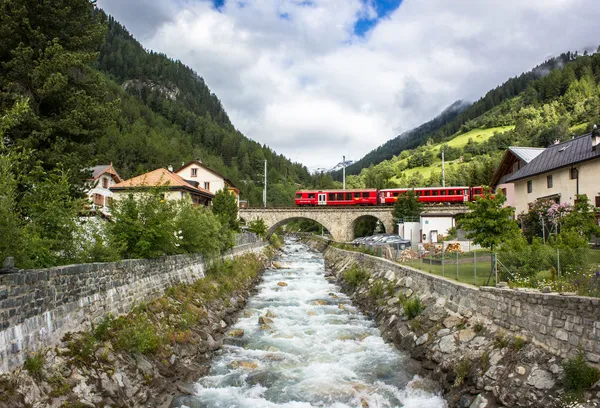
(38, 307)
(557, 323)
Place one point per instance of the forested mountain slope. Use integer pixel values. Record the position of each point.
(458, 117)
(555, 101)
(91, 94)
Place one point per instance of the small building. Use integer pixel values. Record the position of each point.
(176, 187)
(560, 173)
(104, 176)
(208, 179)
(514, 159)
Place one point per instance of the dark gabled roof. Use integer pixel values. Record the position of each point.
(511, 155)
(559, 155)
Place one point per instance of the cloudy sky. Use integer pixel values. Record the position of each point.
(317, 79)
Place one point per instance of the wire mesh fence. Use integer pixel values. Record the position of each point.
(246, 238)
(560, 269)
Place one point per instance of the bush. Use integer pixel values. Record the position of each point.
(413, 307)
(276, 241)
(259, 227)
(461, 370)
(34, 364)
(144, 225)
(138, 336)
(377, 290)
(578, 374)
(355, 276)
(198, 230)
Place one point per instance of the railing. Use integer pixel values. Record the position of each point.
(246, 238)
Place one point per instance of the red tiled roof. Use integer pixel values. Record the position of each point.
(159, 177)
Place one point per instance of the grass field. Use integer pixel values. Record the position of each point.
(478, 136)
(467, 273)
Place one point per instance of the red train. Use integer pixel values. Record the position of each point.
(371, 196)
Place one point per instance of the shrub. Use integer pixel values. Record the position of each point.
(413, 307)
(485, 361)
(578, 374)
(478, 327)
(355, 276)
(276, 241)
(461, 370)
(34, 364)
(138, 336)
(377, 290)
(198, 230)
(518, 343)
(501, 340)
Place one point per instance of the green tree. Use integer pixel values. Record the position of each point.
(50, 213)
(46, 55)
(407, 206)
(488, 223)
(582, 219)
(144, 225)
(198, 230)
(225, 207)
(258, 227)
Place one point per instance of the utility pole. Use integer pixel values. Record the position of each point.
(265, 189)
(344, 170)
(443, 172)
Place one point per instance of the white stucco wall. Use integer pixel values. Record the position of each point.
(203, 176)
(439, 224)
(589, 184)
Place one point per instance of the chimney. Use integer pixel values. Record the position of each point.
(170, 168)
(556, 141)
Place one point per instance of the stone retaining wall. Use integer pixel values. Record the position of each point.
(559, 324)
(38, 307)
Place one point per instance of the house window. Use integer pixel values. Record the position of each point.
(206, 185)
(549, 181)
(104, 182)
(194, 172)
(598, 201)
(529, 186)
(574, 173)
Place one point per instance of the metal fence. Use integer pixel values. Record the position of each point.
(562, 269)
(246, 238)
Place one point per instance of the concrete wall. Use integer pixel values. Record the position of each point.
(561, 184)
(38, 307)
(560, 324)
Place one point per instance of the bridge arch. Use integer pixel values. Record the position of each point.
(339, 221)
(284, 221)
(365, 218)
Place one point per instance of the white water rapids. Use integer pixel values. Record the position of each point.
(319, 351)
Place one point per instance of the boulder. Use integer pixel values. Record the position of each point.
(466, 335)
(422, 339)
(451, 321)
(281, 284)
(479, 402)
(447, 344)
(265, 320)
(541, 379)
(237, 333)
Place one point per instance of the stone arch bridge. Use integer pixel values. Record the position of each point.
(340, 222)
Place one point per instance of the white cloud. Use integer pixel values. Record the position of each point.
(310, 89)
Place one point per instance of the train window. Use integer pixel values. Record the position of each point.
(427, 192)
(356, 195)
(298, 195)
(434, 192)
(366, 195)
(311, 195)
(348, 196)
(340, 196)
(331, 196)
(395, 194)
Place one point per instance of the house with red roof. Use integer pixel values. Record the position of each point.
(176, 188)
(104, 176)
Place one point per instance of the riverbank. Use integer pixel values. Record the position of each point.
(478, 359)
(300, 342)
(143, 357)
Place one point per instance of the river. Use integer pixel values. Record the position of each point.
(318, 350)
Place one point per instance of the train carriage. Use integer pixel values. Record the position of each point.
(427, 194)
(367, 196)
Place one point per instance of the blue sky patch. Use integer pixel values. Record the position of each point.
(383, 8)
